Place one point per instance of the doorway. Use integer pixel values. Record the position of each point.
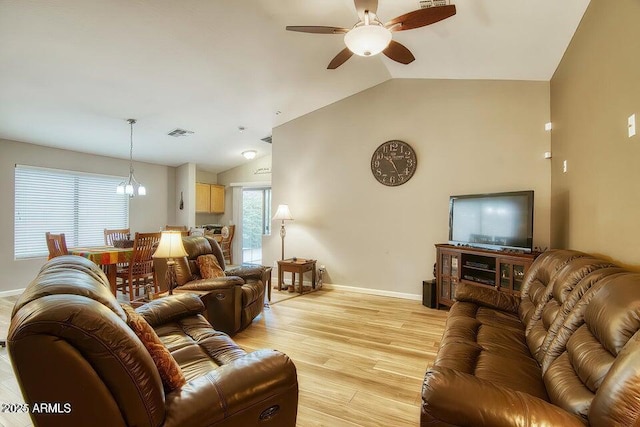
(256, 222)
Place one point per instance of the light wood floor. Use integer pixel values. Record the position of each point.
(360, 358)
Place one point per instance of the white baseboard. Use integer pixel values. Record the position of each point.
(379, 292)
(10, 293)
(369, 291)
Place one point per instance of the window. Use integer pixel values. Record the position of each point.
(80, 205)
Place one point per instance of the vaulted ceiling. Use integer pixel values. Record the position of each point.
(73, 71)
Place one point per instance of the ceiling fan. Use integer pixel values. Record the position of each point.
(369, 36)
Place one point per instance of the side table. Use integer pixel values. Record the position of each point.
(299, 266)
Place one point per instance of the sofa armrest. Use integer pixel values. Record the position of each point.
(246, 272)
(243, 390)
(459, 398)
(169, 308)
(488, 297)
(218, 283)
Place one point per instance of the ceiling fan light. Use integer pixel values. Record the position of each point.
(367, 40)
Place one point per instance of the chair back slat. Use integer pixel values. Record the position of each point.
(227, 238)
(116, 234)
(56, 244)
(139, 271)
(144, 245)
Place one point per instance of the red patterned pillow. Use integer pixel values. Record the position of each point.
(209, 267)
(170, 373)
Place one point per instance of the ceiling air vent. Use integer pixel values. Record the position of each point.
(180, 132)
(424, 4)
(266, 139)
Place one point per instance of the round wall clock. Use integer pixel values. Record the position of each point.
(393, 163)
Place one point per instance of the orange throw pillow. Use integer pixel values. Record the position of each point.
(209, 267)
(170, 373)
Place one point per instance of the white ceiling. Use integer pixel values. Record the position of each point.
(73, 71)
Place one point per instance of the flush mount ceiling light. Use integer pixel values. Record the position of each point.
(369, 36)
(249, 154)
(131, 187)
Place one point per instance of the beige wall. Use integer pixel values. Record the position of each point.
(596, 204)
(186, 190)
(469, 136)
(148, 213)
(244, 173)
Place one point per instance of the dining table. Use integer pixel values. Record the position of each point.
(108, 256)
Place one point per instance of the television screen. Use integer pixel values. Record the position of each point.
(493, 221)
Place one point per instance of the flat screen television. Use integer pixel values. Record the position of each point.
(496, 221)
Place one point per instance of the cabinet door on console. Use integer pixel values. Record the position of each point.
(448, 272)
(512, 275)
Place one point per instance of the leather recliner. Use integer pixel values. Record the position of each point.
(231, 302)
(564, 353)
(75, 356)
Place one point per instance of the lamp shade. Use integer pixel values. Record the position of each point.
(170, 245)
(367, 40)
(283, 213)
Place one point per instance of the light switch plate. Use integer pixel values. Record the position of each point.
(564, 166)
(632, 125)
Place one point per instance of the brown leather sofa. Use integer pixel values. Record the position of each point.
(70, 346)
(231, 302)
(567, 353)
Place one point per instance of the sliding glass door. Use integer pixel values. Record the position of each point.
(256, 221)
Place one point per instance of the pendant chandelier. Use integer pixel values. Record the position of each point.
(131, 187)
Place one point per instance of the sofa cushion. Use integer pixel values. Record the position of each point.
(170, 373)
(490, 347)
(551, 300)
(209, 267)
(183, 272)
(196, 347)
(538, 278)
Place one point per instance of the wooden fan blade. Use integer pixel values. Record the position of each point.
(362, 5)
(340, 59)
(421, 17)
(399, 53)
(317, 30)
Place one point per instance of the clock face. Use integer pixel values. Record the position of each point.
(393, 163)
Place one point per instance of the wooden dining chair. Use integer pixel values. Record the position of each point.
(139, 272)
(56, 244)
(110, 236)
(227, 238)
(116, 234)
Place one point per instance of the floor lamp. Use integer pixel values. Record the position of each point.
(283, 214)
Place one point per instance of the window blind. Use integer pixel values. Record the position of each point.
(80, 205)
